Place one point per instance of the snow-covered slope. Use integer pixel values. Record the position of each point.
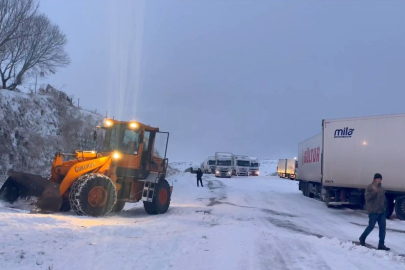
(34, 126)
(182, 166)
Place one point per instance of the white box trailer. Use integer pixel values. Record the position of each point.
(351, 151)
(286, 168)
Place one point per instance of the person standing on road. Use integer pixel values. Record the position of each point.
(375, 205)
(199, 177)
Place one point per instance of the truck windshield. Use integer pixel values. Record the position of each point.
(243, 163)
(121, 138)
(211, 162)
(224, 162)
(254, 164)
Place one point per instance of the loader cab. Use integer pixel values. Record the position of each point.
(137, 147)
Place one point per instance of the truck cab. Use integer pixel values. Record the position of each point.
(223, 164)
(241, 165)
(208, 165)
(254, 166)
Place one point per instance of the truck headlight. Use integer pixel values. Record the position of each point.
(216, 172)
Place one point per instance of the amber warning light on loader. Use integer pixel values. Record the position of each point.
(133, 125)
(108, 123)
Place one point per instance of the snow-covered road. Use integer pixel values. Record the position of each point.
(239, 223)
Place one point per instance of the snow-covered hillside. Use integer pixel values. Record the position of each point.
(182, 166)
(34, 126)
(239, 223)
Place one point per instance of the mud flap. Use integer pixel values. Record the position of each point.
(22, 185)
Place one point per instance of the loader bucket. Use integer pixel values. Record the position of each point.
(29, 185)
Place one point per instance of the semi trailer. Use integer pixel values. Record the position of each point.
(338, 164)
(286, 168)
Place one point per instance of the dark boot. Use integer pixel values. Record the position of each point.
(383, 247)
(362, 242)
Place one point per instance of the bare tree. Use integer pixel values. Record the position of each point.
(13, 14)
(35, 47)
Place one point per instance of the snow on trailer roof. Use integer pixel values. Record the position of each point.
(223, 155)
(365, 117)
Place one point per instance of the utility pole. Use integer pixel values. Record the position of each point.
(78, 102)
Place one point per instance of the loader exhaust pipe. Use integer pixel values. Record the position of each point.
(23, 185)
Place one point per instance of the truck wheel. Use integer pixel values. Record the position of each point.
(390, 208)
(93, 195)
(118, 206)
(161, 199)
(400, 207)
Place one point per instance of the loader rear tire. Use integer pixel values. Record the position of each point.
(93, 195)
(161, 199)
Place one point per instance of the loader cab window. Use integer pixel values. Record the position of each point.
(121, 138)
(131, 143)
(146, 140)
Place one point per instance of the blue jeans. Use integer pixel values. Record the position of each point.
(373, 219)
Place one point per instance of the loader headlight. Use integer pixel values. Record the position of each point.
(116, 155)
(133, 125)
(108, 123)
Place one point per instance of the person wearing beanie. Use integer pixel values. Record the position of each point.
(375, 206)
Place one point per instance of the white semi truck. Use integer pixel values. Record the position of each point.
(286, 168)
(208, 166)
(339, 163)
(223, 164)
(254, 166)
(241, 165)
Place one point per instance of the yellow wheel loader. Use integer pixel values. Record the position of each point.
(131, 167)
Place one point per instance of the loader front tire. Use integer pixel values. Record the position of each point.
(93, 195)
(161, 199)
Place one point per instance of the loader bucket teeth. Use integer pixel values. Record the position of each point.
(22, 185)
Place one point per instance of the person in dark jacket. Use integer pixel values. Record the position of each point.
(375, 205)
(199, 177)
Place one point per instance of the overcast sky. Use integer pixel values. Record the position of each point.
(248, 77)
